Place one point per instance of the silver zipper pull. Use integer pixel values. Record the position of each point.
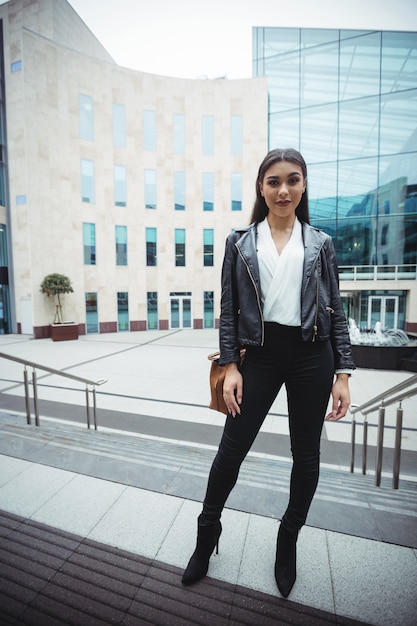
(314, 333)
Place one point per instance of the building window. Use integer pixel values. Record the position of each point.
(122, 310)
(87, 181)
(208, 191)
(208, 247)
(89, 243)
(179, 133)
(236, 135)
(121, 245)
(150, 189)
(91, 312)
(179, 191)
(16, 66)
(85, 104)
(236, 191)
(152, 299)
(384, 235)
(119, 125)
(208, 309)
(208, 134)
(120, 185)
(180, 247)
(149, 131)
(151, 247)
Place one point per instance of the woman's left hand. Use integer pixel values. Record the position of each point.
(341, 398)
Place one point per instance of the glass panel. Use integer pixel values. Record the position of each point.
(319, 72)
(119, 185)
(398, 122)
(399, 61)
(208, 309)
(360, 66)
(284, 82)
(89, 243)
(179, 191)
(313, 37)
(236, 135)
(175, 313)
(207, 130)
(87, 181)
(208, 247)
(236, 191)
(121, 245)
(2, 185)
(152, 299)
(180, 247)
(151, 253)
(86, 117)
(358, 128)
(319, 133)
(186, 313)
(91, 312)
(208, 191)
(122, 310)
(397, 206)
(391, 305)
(284, 130)
(179, 133)
(150, 189)
(322, 193)
(357, 212)
(374, 316)
(149, 131)
(119, 125)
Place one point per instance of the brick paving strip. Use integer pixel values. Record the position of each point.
(50, 577)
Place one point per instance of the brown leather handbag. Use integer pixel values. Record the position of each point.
(217, 374)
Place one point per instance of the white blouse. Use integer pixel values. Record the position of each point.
(281, 275)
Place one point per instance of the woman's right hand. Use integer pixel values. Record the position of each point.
(233, 388)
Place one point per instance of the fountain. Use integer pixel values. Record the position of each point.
(382, 348)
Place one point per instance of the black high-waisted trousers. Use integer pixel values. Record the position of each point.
(306, 369)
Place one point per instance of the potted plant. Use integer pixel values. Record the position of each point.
(55, 285)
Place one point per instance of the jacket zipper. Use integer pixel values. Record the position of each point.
(317, 299)
(257, 294)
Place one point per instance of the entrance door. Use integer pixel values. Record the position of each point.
(180, 311)
(383, 309)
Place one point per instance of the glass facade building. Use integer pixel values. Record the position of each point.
(347, 100)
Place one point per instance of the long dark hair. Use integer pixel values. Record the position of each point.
(260, 210)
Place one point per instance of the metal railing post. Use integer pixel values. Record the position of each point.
(27, 399)
(95, 407)
(87, 404)
(397, 447)
(353, 436)
(35, 397)
(380, 443)
(365, 444)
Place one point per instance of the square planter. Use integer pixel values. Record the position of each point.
(64, 332)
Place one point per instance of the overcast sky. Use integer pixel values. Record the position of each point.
(194, 38)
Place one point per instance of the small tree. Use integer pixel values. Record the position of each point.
(54, 285)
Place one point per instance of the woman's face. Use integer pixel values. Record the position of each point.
(282, 187)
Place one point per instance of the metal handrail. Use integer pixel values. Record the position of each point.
(37, 366)
(383, 396)
(379, 403)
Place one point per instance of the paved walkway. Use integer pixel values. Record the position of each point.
(160, 379)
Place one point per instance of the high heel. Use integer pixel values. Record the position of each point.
(286, 558)
(207, 540)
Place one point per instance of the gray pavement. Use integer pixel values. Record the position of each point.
(162, 378)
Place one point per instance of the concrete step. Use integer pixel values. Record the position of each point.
(344, 502)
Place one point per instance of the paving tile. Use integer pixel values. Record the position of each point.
(139, 521)
(11, 467)
(373, 581)
(80, 504)
(29, 490)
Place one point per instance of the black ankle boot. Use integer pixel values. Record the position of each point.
(207, 540)
(285, 564)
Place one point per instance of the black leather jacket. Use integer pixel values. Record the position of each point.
(322, 315)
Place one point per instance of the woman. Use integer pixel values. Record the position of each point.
(281, 301)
